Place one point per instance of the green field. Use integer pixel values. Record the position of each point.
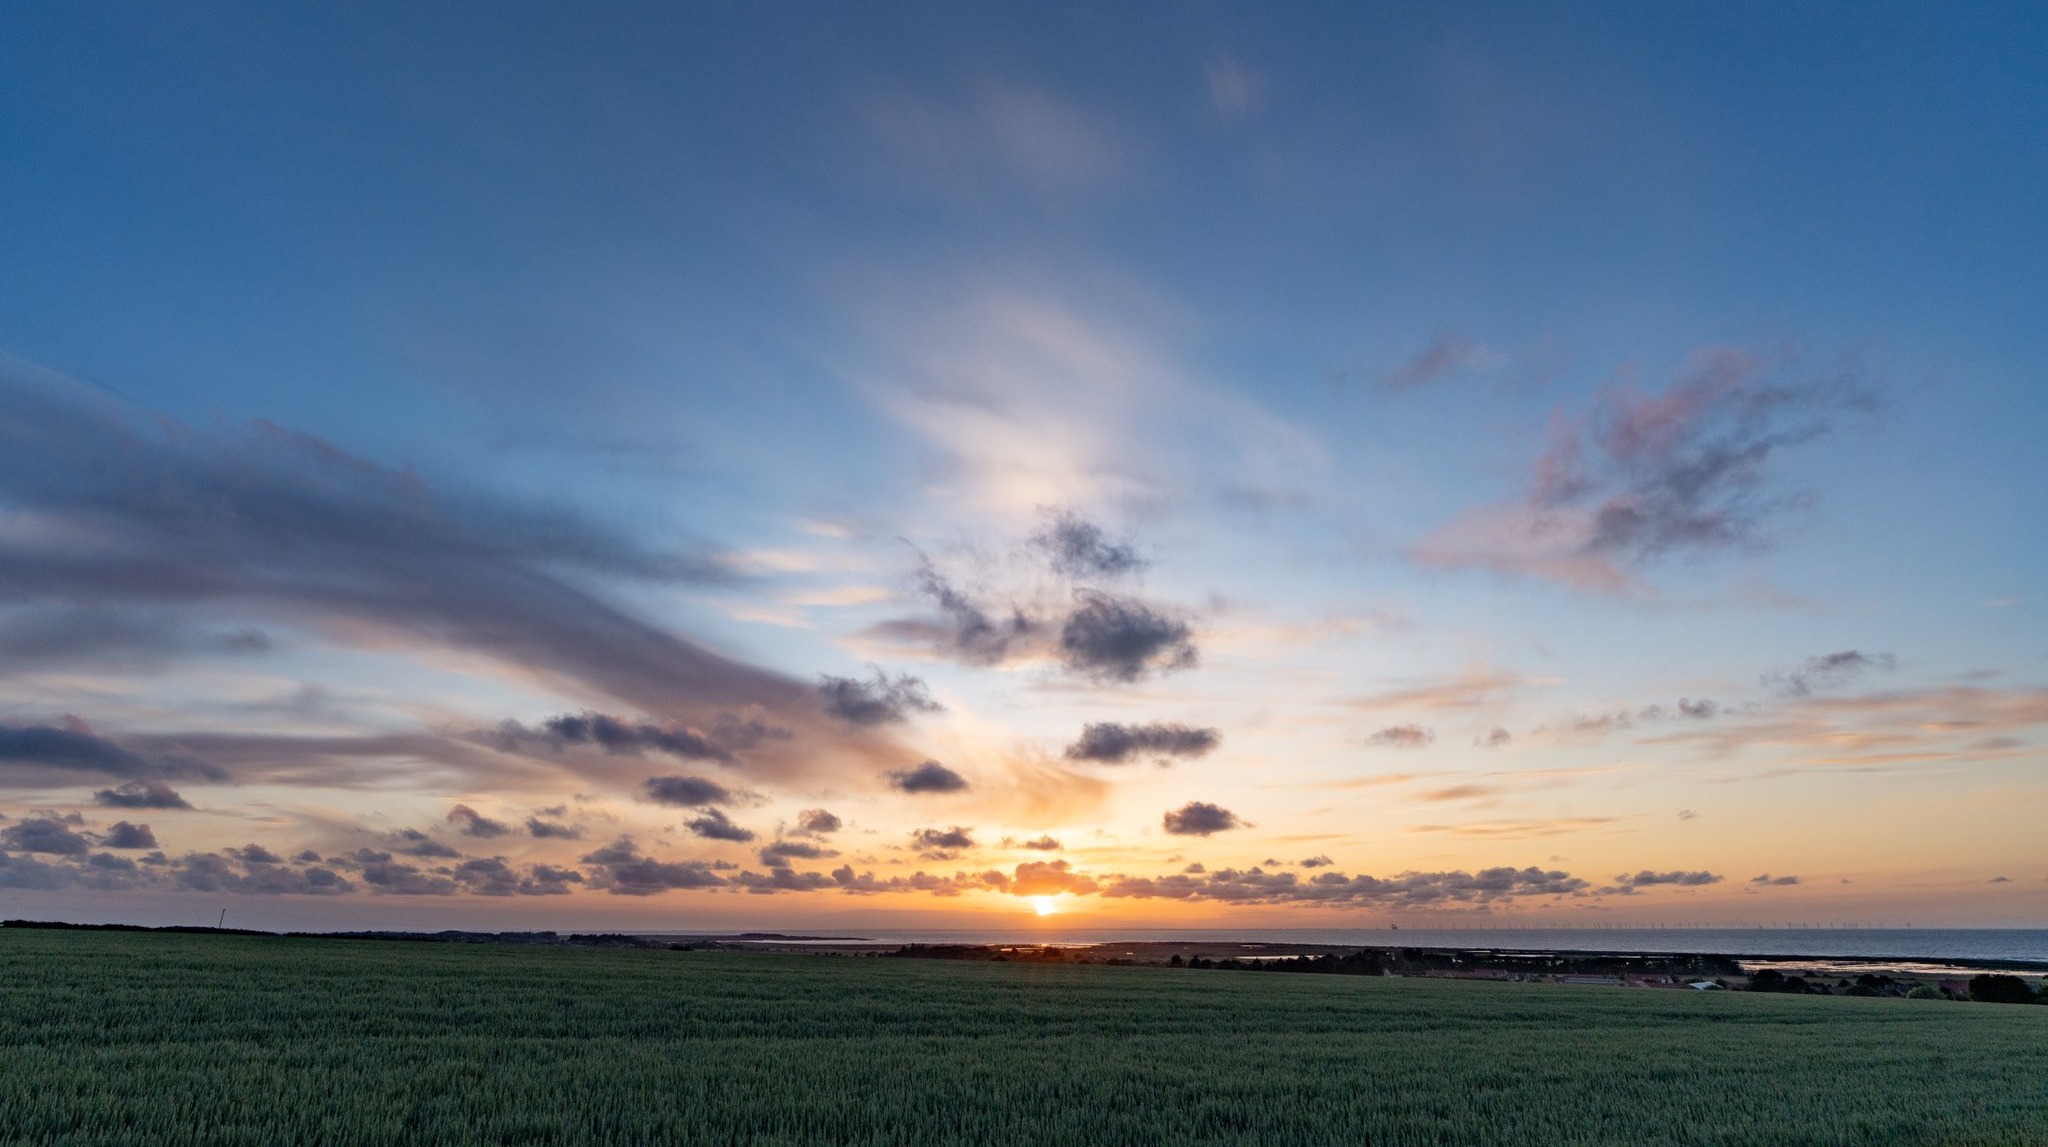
(108, 1038)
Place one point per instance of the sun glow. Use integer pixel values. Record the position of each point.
(1043, 905)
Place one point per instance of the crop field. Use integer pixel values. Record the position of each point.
(137, 1038)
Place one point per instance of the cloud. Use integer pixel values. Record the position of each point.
(1235, 91)
(492, 876)
(1114, 743)
(883, 700)
(552, 830)
(942, 844)
(141, 794)
(1647, 878)
(1639, 477)
(1829, 671)
(44, 834)
(1879, 731)
(75, 747)
(686, 792)
(969, 633)
(1317, 862)
(620, 870)
(1518, 829)
(1407, 890)
(413, 842)
(817, 822)
(1493, 738)
(617, 735)
(1448, 356)
(1473, 689)
(1402, 737)
(128, 836)
(1048, 878)
(470, 822)
(781, 852)
(1078, 548)
(1766, 879)
(1121, 639)
(1044, 843)
(1199, 818)
(929, 777)
(280, 526)
(1085, 630)
(713, 824)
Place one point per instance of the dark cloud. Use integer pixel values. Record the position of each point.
(210, 872)
(1121, 639)
(140, 794)
(395, 878)
(616, 735)
(1830, 671)
(75, 747)
(1639, 477)
(492, 876)
(969, 633)
(1402, 737)
(1093, 634)
(38, 638)
(280, 526)
(1408, 890)
(413, 842)
(620, 870)
(44, 834)
(1451, 354)
(686, 792)
(551, 830)
(1493, 738)
(1199, 818)
(882, 700)
(1113, 743)
(782, 852)
(1044, 843)
(817, 822)
(713, 824)
(942, 844)
(1317, 862)
(470, 822)
(1646, 878)
(1767, 880)
(929, 777)
(1079, 548)
(126, 836)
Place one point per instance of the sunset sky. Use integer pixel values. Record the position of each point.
(810, 465)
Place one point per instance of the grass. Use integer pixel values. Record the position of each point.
(125, 1038)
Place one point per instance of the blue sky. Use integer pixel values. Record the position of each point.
(1439, 370)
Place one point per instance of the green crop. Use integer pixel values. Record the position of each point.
(161, 1039)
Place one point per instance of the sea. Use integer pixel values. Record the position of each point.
(1837, 948)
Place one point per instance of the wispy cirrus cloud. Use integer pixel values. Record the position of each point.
(261, 524)
(1638, 477)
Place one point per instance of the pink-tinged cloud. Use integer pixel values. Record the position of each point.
(1639, 477)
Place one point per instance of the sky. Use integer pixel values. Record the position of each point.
(705, 466)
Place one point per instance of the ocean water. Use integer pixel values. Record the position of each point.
(2023, 946)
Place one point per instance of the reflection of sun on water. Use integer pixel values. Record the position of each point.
(1043, 905)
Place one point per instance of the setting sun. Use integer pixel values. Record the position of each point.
(1043, 905)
